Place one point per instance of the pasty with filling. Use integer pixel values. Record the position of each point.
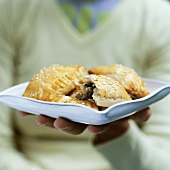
(130, 80)
(103, 90)
(53, 81)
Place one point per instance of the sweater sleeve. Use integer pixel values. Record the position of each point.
(148, 148)
(10, 157)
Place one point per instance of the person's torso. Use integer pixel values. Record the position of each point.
(46, 38)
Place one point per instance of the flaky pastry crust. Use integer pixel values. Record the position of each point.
(105, 91)
(131, 81)
(72, 100)
(54, 81)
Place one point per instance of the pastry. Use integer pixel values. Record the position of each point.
(53, 81)
(103, 90)
(69, 99)
(131, 81)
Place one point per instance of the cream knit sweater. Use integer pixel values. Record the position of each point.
(35, 34)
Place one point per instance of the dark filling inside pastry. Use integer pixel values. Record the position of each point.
(134, 97)
(88, 92)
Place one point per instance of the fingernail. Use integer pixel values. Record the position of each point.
(43, 124)
(66, 128)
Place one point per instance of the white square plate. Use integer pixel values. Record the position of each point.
(12, 97)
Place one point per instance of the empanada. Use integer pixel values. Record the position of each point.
(131, 81)
(105, 91)
(54, 81)
(68, 99)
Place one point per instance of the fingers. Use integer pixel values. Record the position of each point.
(77, 128)
(69, 126)
(142, 115)
(45, 121)
(60, 123)
(21, 113)
(41, 119)
(97, 129)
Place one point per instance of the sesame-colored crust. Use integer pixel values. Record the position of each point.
(103, 87)
(54, 81)
(131, 81)
(107, 91)
(69, 99)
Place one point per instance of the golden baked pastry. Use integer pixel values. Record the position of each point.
(105, 91)
(69, 99)
(105, 86)
(131, 81)
(53, 81)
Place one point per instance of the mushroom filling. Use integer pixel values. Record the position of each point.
(88, 92)
(133, 96)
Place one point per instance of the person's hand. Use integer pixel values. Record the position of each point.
(103, 133)
(119, 127)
